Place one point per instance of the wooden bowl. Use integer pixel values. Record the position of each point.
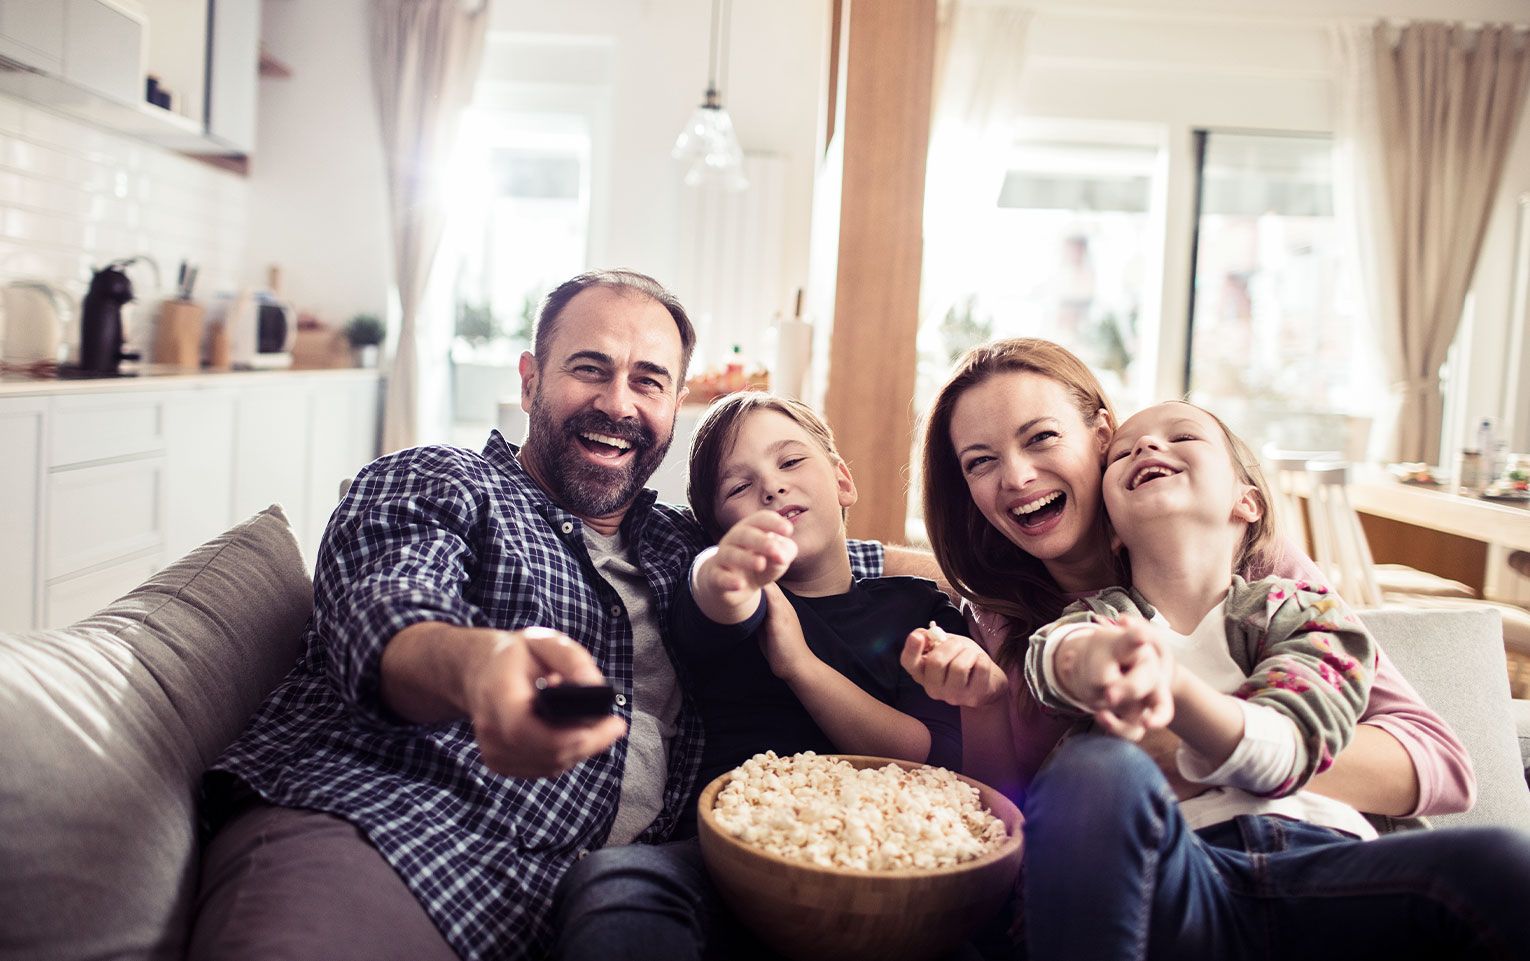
(811, 912)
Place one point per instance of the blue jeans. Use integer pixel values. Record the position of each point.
(1112, 870)
(639, 901)
(656, 902)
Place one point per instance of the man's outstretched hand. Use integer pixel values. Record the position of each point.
(438, 672)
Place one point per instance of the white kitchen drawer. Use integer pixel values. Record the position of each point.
(103, 426)
(22, 425)
(102, 513)
(72, 598)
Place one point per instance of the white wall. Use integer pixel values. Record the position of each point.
(659, 72)
(319, 203)
(1184, 64)
(74, 197)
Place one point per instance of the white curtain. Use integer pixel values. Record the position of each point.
(1442, 102)
(1360, 201)
(978, 56)
(425, 57)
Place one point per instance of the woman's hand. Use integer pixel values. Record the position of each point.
(952, 668)
(782, 642)
(1122, 672)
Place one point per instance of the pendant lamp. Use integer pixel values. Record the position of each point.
(707, 145)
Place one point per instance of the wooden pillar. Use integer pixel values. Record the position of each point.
(888, 75)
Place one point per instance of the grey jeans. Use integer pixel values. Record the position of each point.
(284, 883)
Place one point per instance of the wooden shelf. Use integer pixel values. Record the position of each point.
(272, 67)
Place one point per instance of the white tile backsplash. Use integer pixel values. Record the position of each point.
(74, 197)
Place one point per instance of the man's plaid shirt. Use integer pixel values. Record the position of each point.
(444, 534)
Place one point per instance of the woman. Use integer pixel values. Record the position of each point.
(1013, 458)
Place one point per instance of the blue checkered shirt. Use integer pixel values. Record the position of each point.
(444, 534)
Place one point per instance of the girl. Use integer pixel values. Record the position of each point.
(1012, 459)
(783, 650)
(1263, 682)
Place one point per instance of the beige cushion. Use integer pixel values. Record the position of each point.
(1455, 659)
(108, 726)
(1401, 579)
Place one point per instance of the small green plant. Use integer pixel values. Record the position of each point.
(365, 330)
(962, 328)
(477, 324)
(528, 318)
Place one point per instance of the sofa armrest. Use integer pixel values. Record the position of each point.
(1521, 710)
(109, 725)
(1455, 659)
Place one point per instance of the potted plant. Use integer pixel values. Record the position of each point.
(365, 333)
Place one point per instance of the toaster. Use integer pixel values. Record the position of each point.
(261, 329)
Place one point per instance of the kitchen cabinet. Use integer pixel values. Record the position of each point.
(176, 54)
(199, 467)
(21, 449)
(270, 452)
(103, 48)
(90, 59)
(343, 438)
(233, 73)
(106, 481)
(32, 33)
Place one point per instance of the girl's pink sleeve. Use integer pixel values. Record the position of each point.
(1035, 734)
(1446, 782)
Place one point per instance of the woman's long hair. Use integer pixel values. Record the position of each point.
(980, 562)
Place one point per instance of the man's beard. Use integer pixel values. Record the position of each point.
(585, 488)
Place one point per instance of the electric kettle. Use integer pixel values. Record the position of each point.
(36, 313)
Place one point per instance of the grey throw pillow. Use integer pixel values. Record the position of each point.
(1455, 659)
(108, 726)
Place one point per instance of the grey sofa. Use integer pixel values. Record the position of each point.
(108, 725)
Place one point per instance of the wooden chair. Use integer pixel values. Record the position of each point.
(1341, 550)
(1312, 502)
(1286, 471)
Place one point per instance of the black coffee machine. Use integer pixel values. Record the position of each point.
(101, 319)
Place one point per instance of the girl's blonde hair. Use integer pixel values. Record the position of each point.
(1261, 548)
(980, 562)
(718, 430)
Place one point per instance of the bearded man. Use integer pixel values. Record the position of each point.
(396, 796)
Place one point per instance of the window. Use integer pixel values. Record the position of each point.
(1061, 251)
(518, 224)
(1059, 254)
(1276, 345)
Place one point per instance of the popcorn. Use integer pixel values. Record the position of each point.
(826, 812)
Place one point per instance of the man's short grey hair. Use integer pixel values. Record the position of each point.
(615, 279)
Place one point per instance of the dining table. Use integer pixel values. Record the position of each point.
(1457, 534)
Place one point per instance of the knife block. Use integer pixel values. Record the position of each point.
(178, 337)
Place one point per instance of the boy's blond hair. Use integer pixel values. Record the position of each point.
(716, 434)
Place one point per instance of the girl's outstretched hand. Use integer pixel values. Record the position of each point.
(952, 668)
(1122, 672)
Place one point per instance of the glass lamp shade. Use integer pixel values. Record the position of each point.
(710, 148)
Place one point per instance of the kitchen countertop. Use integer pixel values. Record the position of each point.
(152, 377)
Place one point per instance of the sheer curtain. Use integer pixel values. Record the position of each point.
(425, 57)
(1428, 112)
(1360, 202)
(978, 58)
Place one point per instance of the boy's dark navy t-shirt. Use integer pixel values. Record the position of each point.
(746, 710)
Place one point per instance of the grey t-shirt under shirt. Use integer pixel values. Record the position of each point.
(655, 692)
